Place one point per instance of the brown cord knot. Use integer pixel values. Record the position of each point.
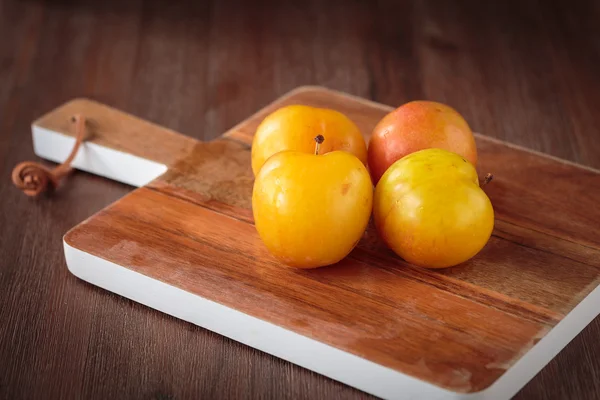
(34, 178)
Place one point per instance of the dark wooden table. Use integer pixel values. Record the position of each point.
(524, 71)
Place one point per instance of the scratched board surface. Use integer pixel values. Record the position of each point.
(459, 328)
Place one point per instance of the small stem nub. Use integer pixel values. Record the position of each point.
(488, 178)
(318, 139)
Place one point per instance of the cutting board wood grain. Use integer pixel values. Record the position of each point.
(184, 243)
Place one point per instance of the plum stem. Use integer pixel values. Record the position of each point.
(318, 139)
(488, 178)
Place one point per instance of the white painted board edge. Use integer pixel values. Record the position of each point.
(96, 159)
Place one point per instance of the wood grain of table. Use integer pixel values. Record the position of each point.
(523, 71)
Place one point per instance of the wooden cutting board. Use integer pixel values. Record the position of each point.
(184, 243)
